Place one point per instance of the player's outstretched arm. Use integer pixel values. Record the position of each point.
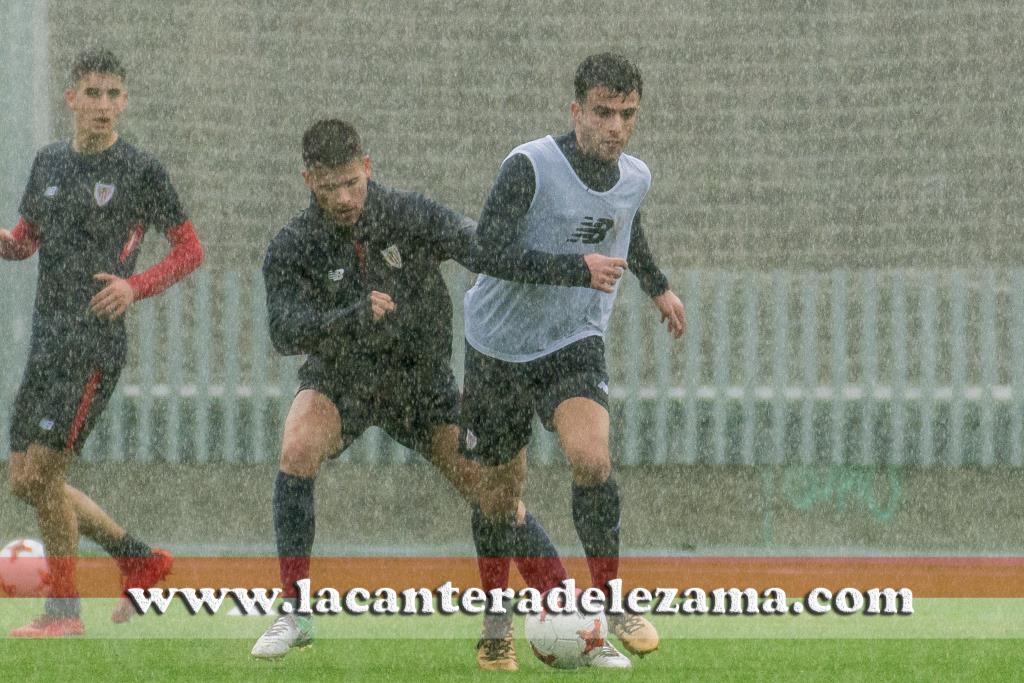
(454, 237)
(20, 243)
(653, 281)
(641, 261)
(446, 233)
(672, 312)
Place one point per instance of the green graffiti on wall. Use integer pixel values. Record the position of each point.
(879, 492)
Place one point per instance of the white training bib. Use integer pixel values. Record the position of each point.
(519, 322)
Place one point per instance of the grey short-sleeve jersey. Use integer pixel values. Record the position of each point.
(519, 322)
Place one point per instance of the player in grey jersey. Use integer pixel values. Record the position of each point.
(560, 226)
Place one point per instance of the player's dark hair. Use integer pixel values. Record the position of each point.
(609, 70)
(330, 143)
(96, 61)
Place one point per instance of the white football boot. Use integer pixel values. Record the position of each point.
(607, 657)
(286, 632)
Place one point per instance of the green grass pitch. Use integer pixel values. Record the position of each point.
(946, 639)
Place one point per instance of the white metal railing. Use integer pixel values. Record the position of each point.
(899, 367)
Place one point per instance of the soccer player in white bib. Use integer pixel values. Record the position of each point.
(561, 225)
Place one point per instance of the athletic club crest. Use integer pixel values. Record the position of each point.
(392, 256)
(103, 193)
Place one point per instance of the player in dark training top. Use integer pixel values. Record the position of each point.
(354, 283)
(559, 228)
(88, 205)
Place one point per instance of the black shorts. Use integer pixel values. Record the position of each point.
(407, 402)
(59, 402)
(500, 398)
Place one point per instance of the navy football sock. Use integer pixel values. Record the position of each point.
(596, 511)
(126, 546)
(532, 540)
(494, 541)
(535, 555)
(63, 608)
(128, 552)
(294, 527)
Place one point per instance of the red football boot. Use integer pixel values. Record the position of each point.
(47, 626)
(142, 572)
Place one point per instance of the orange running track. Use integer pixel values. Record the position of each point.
(927, 577)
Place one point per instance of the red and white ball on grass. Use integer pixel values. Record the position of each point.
(23, 572)
(563, 640)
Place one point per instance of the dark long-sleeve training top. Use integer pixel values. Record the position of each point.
(319, 274)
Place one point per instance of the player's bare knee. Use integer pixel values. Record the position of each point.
(27, 485)
(591, 470)
(497, 508)
(464, 476)
(499, 499)
(589, 458)
(301, 459)
(21, 488)
(312, 433)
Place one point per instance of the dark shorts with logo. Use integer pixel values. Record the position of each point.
(59, 402)
(500, 398)
(408, 402)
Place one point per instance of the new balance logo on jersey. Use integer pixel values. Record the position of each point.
(592, 230)
(51, 191)
(336, 275)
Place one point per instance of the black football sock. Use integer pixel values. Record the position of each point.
(128, 552)
(63, 608)
(495, 543)
(294, 528)
(596, 511)
(535, 555)
(126, 546)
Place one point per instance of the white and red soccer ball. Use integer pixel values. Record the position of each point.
(23, 572)
(564, 640)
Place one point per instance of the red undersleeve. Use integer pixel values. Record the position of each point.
(26, 241)
(185, 256)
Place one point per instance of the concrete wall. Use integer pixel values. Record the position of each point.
(781, 132)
